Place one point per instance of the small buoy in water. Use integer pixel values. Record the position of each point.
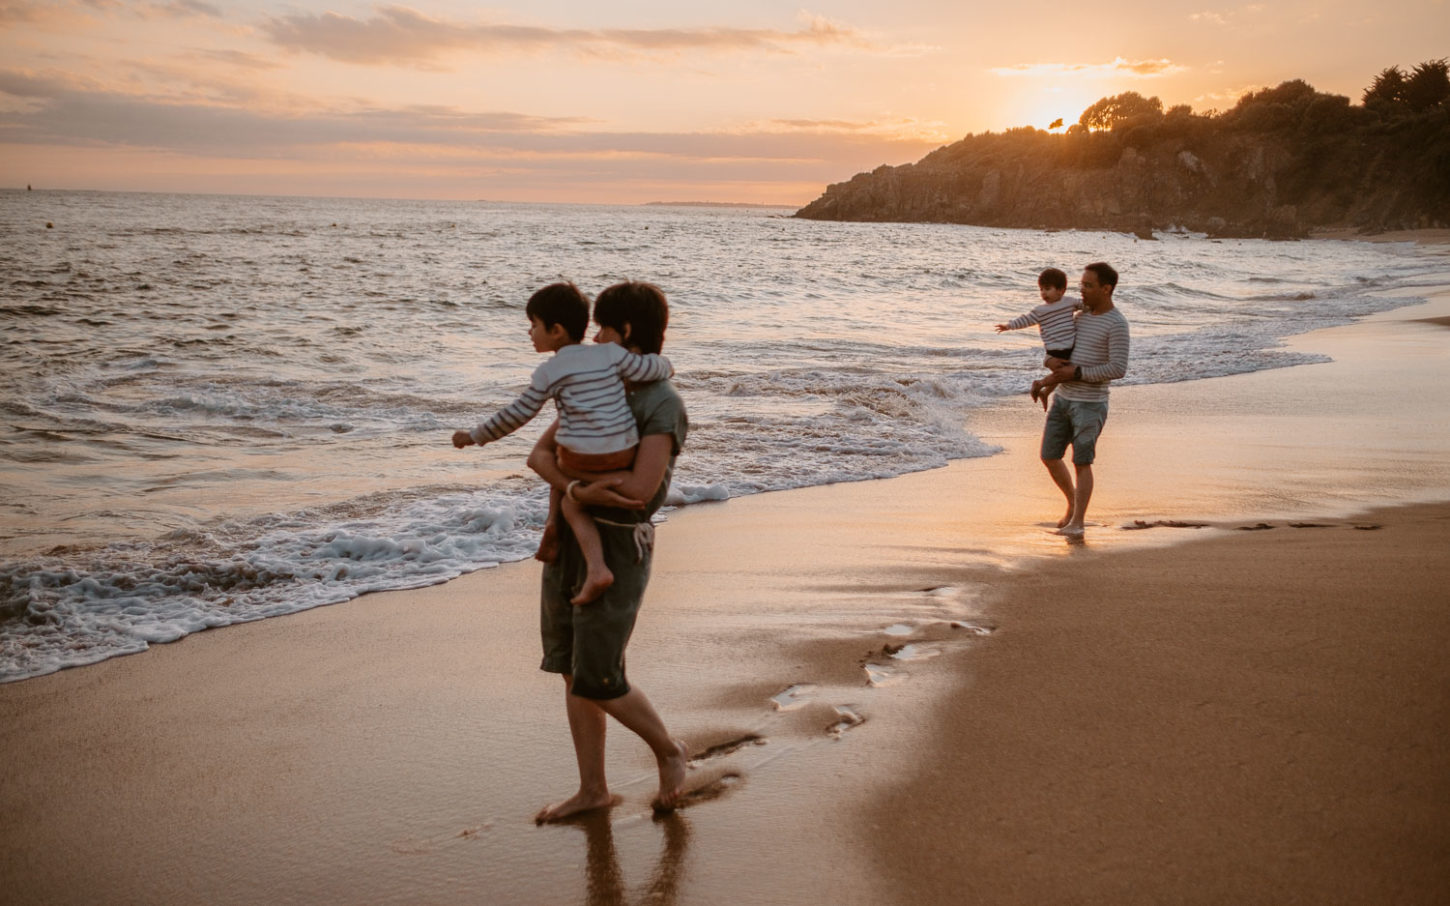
(49, 225)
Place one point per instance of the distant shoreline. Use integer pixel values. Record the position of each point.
(714, 204)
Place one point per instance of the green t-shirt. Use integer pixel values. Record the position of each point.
(657, 409)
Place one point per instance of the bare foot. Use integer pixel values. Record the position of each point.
(1036, 391)
(1066, 519)
(594, 586)
(577, 804)
(1071, 530)
(548, 550)
(672, 778)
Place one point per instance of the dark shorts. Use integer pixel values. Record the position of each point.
(1077, 423)
(588, 641)
(1064, 354)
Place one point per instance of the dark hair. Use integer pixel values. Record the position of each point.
(1052, 278)
(561, 303)
(1106, 275)
(639, 305)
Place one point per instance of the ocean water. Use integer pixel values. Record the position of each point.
(220, 409)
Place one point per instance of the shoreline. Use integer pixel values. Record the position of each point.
(393, 750)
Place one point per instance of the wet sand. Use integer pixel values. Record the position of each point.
(902, 691)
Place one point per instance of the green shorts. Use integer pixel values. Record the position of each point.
(587, 642)
(1074, 422)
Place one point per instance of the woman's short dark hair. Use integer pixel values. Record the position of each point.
(640, 305)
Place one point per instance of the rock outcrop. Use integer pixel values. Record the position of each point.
(1278, 167)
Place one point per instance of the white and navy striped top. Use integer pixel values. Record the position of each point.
(1102, 352)
(1055, 322)
(586, 382)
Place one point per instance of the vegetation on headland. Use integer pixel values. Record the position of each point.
(1283, 161)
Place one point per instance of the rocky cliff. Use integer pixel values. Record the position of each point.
(1280, 164)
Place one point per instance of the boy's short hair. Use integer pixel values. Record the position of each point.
(640, 305)
(1052, 278)
(1107, 276)
(561, 303)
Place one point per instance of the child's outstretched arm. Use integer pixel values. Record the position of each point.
(1019, 322)
(513, 416)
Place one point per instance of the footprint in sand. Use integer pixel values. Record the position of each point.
(879, 675)
(973, 628)
(729, 747)
(707, 790)
(850, 719)
(915, 652)
(1138, 524)
(793, 697)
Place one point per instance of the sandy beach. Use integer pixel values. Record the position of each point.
(903, 691)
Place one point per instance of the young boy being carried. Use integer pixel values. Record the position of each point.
(1056, 325)
(597, 431)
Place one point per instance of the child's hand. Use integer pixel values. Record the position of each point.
(463, 439)
(1001, 327)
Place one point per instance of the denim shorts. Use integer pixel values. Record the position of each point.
(1073, 422)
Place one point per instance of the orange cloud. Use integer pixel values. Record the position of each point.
(397, 35)
(1143, 69)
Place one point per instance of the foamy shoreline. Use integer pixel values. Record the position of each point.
(393, 749)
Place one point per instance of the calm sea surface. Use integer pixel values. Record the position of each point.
(220, 409)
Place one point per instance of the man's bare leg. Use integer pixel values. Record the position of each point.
(1063, 479)
(1084, 493)
(587, 725)
(633, 709)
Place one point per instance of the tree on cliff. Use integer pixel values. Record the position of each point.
(1110, 112)
(1427, 86)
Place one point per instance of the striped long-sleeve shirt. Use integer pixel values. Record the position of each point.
(1054, 322)
(1102, 353)
(586, 383)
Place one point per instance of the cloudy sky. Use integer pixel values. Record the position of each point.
(640, 100)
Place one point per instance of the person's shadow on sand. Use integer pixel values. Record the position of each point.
(606, 885)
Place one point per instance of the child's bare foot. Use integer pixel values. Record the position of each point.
(548, 550)
(594, 586)
(579, 803)
(1036, 390)
(672, 778)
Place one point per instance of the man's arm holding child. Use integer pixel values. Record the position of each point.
(629, 491)
(1115, 367)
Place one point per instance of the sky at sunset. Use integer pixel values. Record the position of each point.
(643, 100)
